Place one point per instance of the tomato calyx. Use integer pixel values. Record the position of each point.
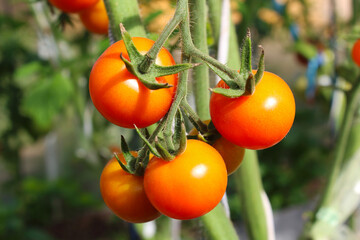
(165, 147)
(144, 67)
(244, 83)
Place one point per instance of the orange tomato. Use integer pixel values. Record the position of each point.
(232, 154)
(257, 121)
(189, 186)
(124, 193)
(95, 18)
(120, 97)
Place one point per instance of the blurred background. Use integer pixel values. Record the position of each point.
(54, 143)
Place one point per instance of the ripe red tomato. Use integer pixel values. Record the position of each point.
(95, 18)
(120, 97)
(257, 121)
(232, 154)
(189, 186)
(356, 52)
(124, 194)
(73, 6)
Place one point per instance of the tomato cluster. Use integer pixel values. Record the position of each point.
(194, 180)
(92, 13)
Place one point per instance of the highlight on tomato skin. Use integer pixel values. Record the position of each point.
(189, 186)
(355, 52)
(258, 121)
(95, 18)
(73, 6)
(124, 193)
(120, 96)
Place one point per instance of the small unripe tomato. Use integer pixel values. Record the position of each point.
(73, 6)
(355, 53)
(95, 18)
(189, 186)
(124, 193)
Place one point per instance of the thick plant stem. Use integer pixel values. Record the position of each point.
(248, 175)
(200, 78)
(215, 18)
(339, 155)
(218, 225)
(126, 12)
(250, 189)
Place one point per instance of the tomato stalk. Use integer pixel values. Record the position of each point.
(126, 12)
(339, 155)
(198, 17)
(248, 175)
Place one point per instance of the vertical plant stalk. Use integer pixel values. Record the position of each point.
(198, 18)
(248, 175)
(250, 189)
(218, 225)
(342, 143)
(126, 12)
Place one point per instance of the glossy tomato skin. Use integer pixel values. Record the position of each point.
(189, 186)
(124, 194)
(356, 52)
(95, 18)
(257, 121)
(232, 154)
(73, 6)
(120, 97)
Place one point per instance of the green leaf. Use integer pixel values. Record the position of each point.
(305, 49)
(45, 100)
(27, 74)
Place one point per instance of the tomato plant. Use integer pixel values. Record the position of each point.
(190, 185)
(120, 97)
(73, 6)
(124, 193)
(257, 121)
(95, 18)
(356, 52)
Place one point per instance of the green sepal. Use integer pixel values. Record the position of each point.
(183, 140)
(228, 92)
(139, 62)
(261, 67)
(225, 77)
(146, 79)
(129, 158)
(245, 66)
(123, 166)
(163, 152)
(148, 144)
(130, 47)
(250, 84)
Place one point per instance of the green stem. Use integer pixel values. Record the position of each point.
(215, 18)
(126, 12)
(193, 116)
(218, 225)
(153, 52)
(201, 73)
(341, 144)
(250, 189)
